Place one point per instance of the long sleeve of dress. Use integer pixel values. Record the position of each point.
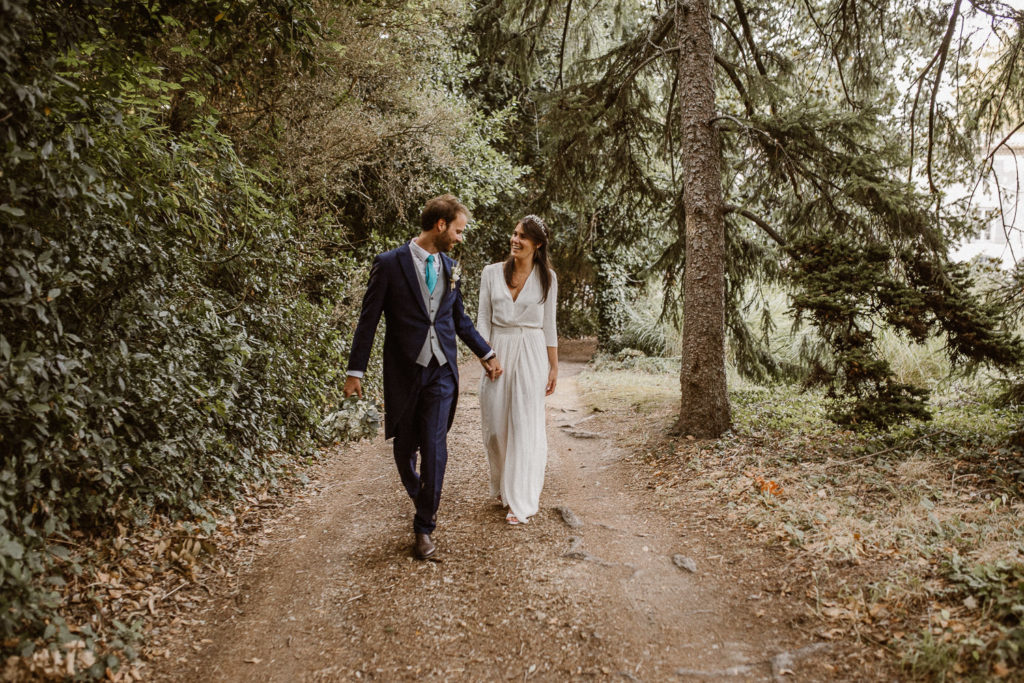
(483, 312)
(550, 308)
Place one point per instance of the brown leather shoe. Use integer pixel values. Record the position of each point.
(424, 547)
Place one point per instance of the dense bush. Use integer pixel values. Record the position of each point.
(154, 348)
(174, 315)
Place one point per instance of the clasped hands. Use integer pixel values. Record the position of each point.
(354, 385)
(492, 367)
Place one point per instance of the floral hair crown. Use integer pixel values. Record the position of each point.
(539, 221)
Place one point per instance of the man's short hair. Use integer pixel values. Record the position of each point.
(446, 208)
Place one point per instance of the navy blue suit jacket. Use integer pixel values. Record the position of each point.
(394, 290)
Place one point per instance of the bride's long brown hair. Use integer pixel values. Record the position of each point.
(535, 229)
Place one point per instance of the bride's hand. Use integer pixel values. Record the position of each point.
(552, 381)
(492, 368)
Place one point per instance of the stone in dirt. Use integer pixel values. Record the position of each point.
(684, 562)
(574, 553)
(732, 671)
(569, 517)
(783, 663)
(582, 434)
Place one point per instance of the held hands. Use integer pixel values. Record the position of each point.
(493, 368)
(552, 381)
(353, 385)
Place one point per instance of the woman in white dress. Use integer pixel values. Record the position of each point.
(517, 317)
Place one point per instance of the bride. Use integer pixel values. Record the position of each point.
(517, 316)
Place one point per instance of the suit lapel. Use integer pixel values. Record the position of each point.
(409, 269)
(447, 263)
(448, 289)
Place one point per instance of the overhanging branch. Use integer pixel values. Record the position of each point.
(730, 71)
(943, 51)
(756, 220)
(565, 34)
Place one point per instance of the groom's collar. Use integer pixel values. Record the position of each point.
(418, 251)
(421, 253)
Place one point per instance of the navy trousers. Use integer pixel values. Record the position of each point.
(424, 432)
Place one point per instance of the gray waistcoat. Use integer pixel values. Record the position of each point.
(432, 347)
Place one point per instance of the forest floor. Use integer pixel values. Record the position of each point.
(788, 549)
(323, 586)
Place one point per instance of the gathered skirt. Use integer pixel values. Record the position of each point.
(512, 419)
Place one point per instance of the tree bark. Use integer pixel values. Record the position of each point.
(704, 409)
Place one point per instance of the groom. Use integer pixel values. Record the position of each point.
(414, 286)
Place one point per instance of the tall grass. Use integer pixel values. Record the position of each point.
(924, 365)
(648, 331)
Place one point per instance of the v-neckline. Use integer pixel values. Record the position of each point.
(515, 297)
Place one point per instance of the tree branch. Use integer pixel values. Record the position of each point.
(1002, 142)
(919, 82)
(669, 127)
(565, 33)
(728, 28)
(730, 70)
(741, 11)
(757, 220)
(943, 51)
(835, 56)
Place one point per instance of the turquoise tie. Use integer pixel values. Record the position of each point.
(431, 274)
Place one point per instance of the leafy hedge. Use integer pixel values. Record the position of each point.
(188, 193)
(157, 346)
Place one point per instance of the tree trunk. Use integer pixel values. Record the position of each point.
(704, 410)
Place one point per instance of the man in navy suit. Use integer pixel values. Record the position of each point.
(414, 286)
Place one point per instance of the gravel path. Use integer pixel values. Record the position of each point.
(598, 585)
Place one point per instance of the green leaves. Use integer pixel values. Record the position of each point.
(355, 419)
(157, 346)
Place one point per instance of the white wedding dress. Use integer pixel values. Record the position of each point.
(512, 407)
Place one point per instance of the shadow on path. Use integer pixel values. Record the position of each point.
(334, 593)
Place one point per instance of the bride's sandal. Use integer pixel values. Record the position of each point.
(512, 519)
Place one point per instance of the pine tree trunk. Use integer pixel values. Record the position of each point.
(704, 410)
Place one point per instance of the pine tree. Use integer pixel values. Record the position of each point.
(838, 131)
(705, 404)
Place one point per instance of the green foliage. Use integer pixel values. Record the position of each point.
(822, 142)
(174, 308)
(849, 290)
(996, 591)
(586, 155)
(388, 123)
(644, 329)
(355, 418)
(154, 354)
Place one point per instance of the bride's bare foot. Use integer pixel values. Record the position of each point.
(512, 519)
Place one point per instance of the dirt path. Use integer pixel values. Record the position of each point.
(334, 594)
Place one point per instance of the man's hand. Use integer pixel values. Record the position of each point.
(353, 385)
(493, 368)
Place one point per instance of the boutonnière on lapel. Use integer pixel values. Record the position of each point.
(456, 275)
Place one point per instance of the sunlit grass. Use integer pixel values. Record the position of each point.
(611, 389)
(902, 502)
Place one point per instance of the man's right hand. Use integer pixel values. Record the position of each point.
(353, 385)
(493, 368)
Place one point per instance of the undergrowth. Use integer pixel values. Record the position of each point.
(924, 517)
